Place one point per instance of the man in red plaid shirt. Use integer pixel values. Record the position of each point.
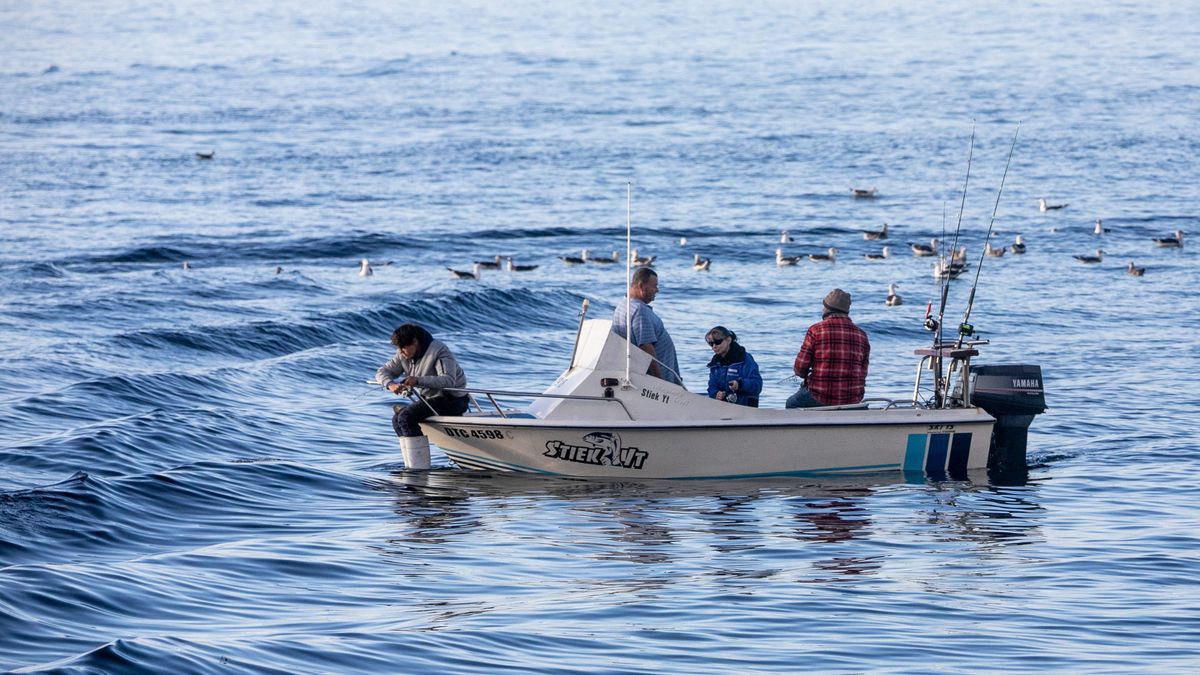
(833, 359)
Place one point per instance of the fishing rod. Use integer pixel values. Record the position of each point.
(963, 204)
(939, 382)
(965, 329)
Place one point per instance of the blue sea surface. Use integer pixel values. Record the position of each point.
(194, 476)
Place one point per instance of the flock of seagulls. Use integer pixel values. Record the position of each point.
(478, 266)
(1175, 240)
(951, 266)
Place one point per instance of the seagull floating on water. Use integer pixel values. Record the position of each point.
(882, 255)
(831, 256)
(683, 241)
(278, 269)
(952, 268)
(489, 264)
(893, 298)
(1049, 207)
(949, 270)
(993, 251)
(785, 238)
(616, 255)
(923, 249)
(1135, 271)
(784, 260)
(206, 155)
(1018, 246)
(364, 268)
(1171, 242)
(701, 264)
(572, 260)
(1100, 229)
(459, 274)
(1090, 259)
(875, 235)
(643, 260)
(186, 265)
(860, 193)
(520, 268)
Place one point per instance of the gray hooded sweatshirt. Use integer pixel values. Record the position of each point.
(435, 370)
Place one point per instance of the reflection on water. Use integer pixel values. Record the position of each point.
(833, 521)
(640, 536)
(433, 514)
(733, 530)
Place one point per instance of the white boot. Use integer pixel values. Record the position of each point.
(415, 450)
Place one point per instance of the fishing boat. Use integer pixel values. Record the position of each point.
(605, 418)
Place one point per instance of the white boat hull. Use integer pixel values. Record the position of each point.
(604, 419)
(812, 443)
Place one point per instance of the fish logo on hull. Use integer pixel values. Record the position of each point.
(603, 449)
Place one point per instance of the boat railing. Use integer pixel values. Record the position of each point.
(491, 395)
(864, 404)
(959, 357)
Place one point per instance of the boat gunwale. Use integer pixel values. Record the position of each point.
(932, 416)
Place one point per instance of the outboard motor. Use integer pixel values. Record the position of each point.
(1013, 394)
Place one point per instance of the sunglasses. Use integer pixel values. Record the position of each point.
(714, 343)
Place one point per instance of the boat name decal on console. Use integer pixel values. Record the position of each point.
(605, 450)
(655, 396)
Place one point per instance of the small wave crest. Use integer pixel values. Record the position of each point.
(480, 310)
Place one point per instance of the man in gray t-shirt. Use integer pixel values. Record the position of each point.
(649, 334)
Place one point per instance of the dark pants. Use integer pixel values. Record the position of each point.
(407, 420)
(803, 398)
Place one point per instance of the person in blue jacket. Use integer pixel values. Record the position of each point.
(732, 373)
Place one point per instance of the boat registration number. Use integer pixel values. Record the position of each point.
(473, 433)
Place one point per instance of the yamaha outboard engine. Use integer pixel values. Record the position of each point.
(1013, 394)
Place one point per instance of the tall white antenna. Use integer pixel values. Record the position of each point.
(628, 273)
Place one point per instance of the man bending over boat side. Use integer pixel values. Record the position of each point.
(833, 359)
(649, 333)
(428, 365)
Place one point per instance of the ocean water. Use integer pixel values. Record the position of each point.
(194, 476)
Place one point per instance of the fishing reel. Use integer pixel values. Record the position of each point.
(966, 330)
(931, 324)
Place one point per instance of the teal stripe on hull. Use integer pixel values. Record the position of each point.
(914, 454)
